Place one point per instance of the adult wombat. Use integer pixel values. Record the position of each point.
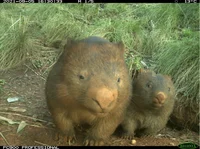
(89, 84)
(151, 104)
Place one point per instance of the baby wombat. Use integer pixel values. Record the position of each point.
(89, 84)
(151, 104)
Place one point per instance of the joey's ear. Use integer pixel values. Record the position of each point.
(147, 71)
(168, 77)
(153, 73)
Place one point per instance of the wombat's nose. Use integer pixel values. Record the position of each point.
(106, 98)
(161, 97)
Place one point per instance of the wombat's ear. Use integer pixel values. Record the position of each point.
(69, 42)
(121, 46)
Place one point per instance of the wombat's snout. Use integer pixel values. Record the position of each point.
(106, 98)
(159, 98)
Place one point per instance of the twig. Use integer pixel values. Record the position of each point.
(39, 126)
(41, 143)
(116, 141)
(5, 130)
(10, 28)
(3, 104)
(13, 109)
(4, 139)
(84, 21)
(48, 68)
(182, 10)
(138, 53)
(79, 19)
(32, 69)
(25, 116)
(35, 72)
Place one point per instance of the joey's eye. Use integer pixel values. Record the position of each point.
(81, 77)
(168, 89)
(149, 85)
(118, 80)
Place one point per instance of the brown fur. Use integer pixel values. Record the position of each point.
(151, 105)
(89, 84)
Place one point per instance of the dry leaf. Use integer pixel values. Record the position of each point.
(21, 126)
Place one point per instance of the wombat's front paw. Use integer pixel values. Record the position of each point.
(93, 142)
(69, 139)
(127, 136)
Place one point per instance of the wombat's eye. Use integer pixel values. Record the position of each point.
(149, 85)
(118, 80)
(81, 77)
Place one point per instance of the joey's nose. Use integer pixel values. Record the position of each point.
(161, 97)
(106, 98)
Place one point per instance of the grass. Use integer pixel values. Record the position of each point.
(180, 58)
(2, 83)
(164, 36)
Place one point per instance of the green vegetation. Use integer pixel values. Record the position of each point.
(164, 36)
(180, 58)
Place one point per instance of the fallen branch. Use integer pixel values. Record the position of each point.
(41, 143)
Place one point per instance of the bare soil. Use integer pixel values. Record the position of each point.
(28, 85)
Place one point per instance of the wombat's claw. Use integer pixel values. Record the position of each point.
(89, 142)
(148, 135)
(56, 137)
(127, 137)
(69, 139)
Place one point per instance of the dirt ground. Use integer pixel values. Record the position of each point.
(28, 85)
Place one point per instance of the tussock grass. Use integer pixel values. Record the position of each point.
(17, 41)
(181, 59)
(17, 44)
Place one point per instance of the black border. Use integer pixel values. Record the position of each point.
(62, 147)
